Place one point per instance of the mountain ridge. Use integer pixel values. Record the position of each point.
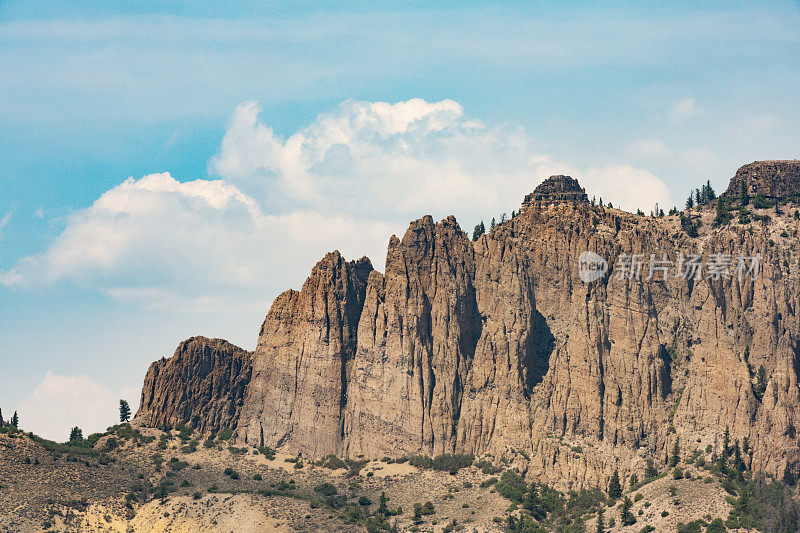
(496, 345)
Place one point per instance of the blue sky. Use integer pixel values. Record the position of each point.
(270, 124)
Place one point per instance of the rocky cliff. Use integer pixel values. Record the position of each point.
(497, 346)
(767, 178)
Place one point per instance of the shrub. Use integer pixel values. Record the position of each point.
(444, 463)
(364, 501)
(512, 486)
(332, 462)
(695, 526)
(488, 482)
(487, 467)
(225, 434)
(257, 477)
(176, 465)
(326, 489)
(268, 452)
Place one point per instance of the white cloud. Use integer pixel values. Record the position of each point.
(399, 161)
(194, 245)
(61, 402)
(684, 110)
(347, 181)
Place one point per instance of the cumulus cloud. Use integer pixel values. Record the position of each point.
(61, 402)
(402, 160)
(158, 241)
(684, 110)
(347, 181)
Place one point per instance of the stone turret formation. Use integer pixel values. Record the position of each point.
(768, 178)
(556, 190)
(488, 346)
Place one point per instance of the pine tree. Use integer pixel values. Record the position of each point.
(726, 450)
(650, 470)
(614, 487)
(383, 510)
(745, 195)
(690, 202)
(15, 420)
(698, 199)
(75, 434)
(601, 527)
(761, 384)
(124, 411)
(492, 224)
(738, 462)
(533, 503)
(625, 515)
(480, 229)
(676, 454)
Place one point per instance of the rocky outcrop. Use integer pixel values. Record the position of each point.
(767, 178)
(497, 346)
(558, 189)
(202, 384)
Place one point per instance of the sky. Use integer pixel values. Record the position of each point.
(168, 168)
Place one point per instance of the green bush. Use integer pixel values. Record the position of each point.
(512, 486)
(488, 482)
(176, 465)
(695, 526)
(444, 463)
(487, 467)
(268, 452)
(333, 462)
(326, 489)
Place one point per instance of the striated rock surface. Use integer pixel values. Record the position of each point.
(299, 389)
(497, 346)
(768, 178)
(202, 384)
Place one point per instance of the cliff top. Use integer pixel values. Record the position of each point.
(557, 189)
(769, 178)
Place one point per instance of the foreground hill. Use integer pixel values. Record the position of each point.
(147, 480)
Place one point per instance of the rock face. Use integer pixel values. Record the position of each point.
(768, 178)
(497, 346)
(298, 394)
(202, 384)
